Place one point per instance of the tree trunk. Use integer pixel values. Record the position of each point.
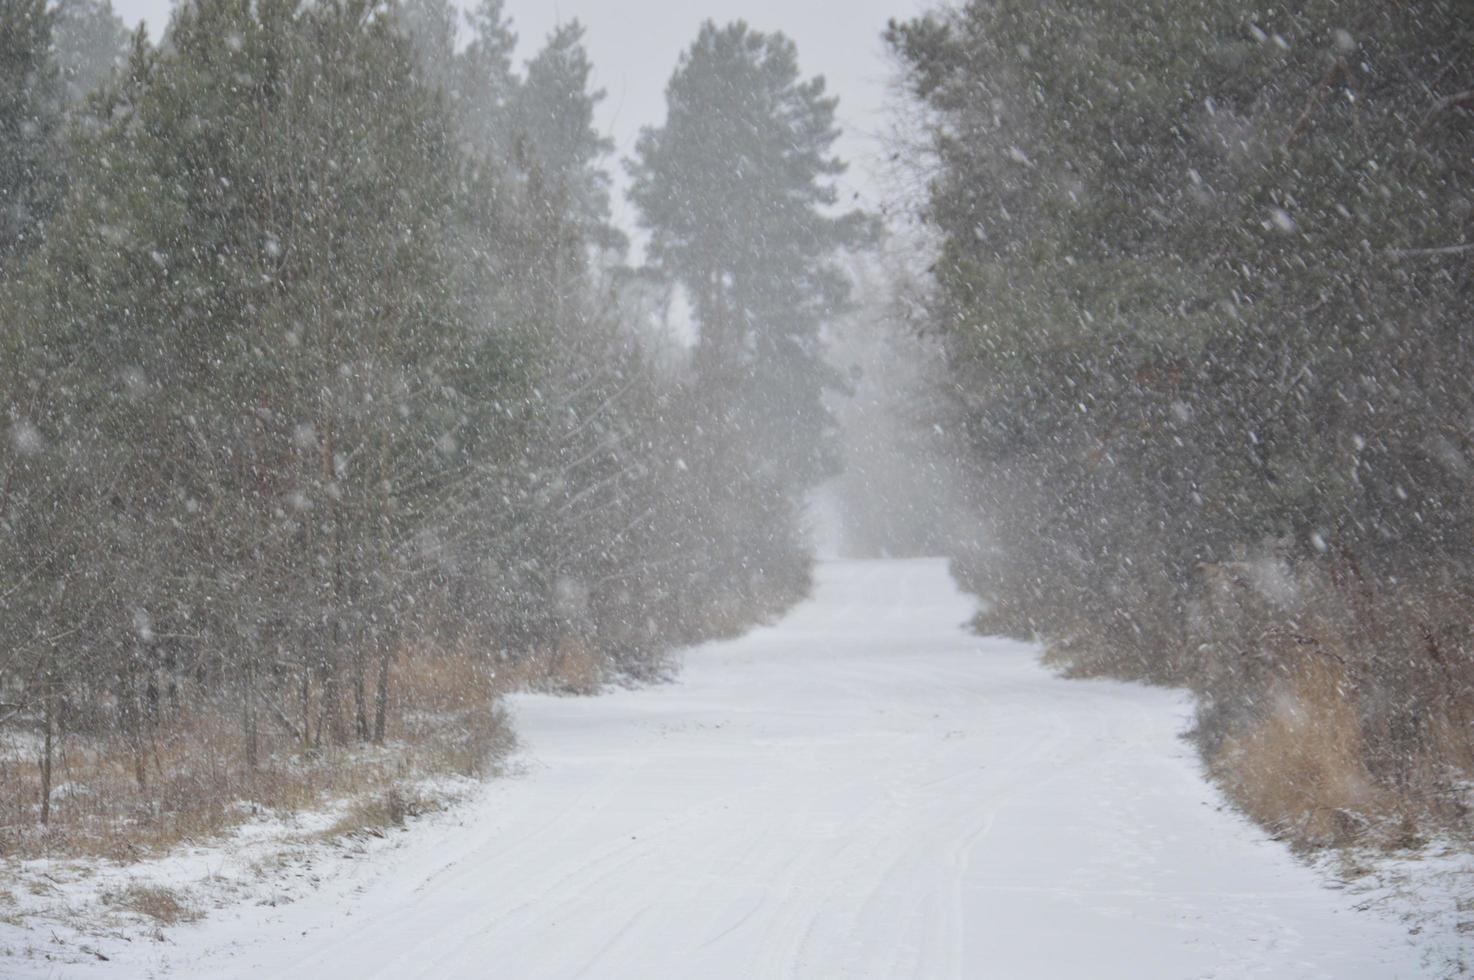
(140, 763)
(381, 698)
(306, 688)
(329, 717)
(360, 706)
(332, 664)
(130, 719)
(48, 724)
(248, 720)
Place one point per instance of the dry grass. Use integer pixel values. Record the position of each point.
(371, 815)
(164, 906)
(443, 719)
(571, 667)
(1301, 770)
(1341, 714)
(450, 718)
(1331, 708)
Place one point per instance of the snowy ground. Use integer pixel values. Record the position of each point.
(863, 790)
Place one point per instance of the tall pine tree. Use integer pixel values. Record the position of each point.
(554, 115)
(91, 43)
(30, 119)
(738, 192)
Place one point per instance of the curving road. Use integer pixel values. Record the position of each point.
(863, 790)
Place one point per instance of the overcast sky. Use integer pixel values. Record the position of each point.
(634, 45)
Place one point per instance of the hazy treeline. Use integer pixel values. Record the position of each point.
(321, 356)
(1203, 287)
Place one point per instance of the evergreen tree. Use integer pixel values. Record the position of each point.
(311, 367)
(1199, 289)
(554, 114)
(255, 248)
(91, 43)
(431, 27)
(737, 192)
(31, 178)
(1129, 216)
(488, 85)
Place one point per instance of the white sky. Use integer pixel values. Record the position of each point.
(634, 45)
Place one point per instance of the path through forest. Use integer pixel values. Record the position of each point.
(864, 789)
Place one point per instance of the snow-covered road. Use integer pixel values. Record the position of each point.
(863, 790)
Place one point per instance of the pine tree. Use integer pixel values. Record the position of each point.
(554, 114)
(31, 178)
(1201, 286)
(91, 43)
(431, 27)
(1132, 214)
(255, 249)
(737, 191)
(488, 85)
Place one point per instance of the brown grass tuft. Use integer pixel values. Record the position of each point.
(1301, 769)
(374, 814)
(572, 667)
(164, 905)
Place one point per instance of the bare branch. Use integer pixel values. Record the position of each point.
(1445, 104)
(1422, 253)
